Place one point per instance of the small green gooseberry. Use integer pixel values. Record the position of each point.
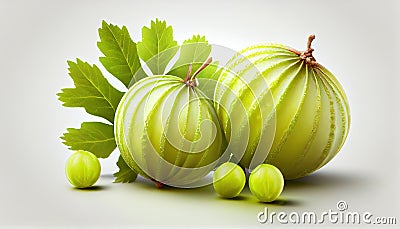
(82, 169)
(266, 182)
(229, 180)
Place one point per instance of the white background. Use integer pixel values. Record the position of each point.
(357, 40)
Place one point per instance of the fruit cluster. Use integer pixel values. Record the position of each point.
(266, 181)
(273, 110)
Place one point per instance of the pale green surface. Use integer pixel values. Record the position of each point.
(356, 39)
(229, 180)
(168, 131)
(303, 107)
(266, 182)
(82, 169)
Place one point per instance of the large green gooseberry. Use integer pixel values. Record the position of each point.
(266, 182)
(280, 106)
(229, 180)
(167, 130)
(82, 169)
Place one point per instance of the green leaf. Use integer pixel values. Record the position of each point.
(125, 173)
(92, 91)
(120, 53)
(158, 46)
(212, 71)
(193, 51)
(95, 137)
(207, 79)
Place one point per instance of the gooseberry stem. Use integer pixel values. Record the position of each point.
(190, 80)
(205, 64)
(310, 40)
(189, 73)
(157, 183)
(307, 55)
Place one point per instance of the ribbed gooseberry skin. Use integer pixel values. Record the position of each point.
(295, 110)
(168, 131)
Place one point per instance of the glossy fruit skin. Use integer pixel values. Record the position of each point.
(297, 115)
(168, 131)
(229, 180)
(266, 182)
(82, 169)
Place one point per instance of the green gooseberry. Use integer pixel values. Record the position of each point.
(266, 182)
(82, 169)
(229, 180)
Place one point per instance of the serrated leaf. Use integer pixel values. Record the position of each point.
(95, 137)
(125, 173)
(193, 51)
(157, 47)
(120, 54)
(139, 75)
(92, 91)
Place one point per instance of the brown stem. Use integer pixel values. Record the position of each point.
(189, 73)
(190, 80)
(205, 64)
(310, 40)
(295, 51)
(307, 55)
(157, 183)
